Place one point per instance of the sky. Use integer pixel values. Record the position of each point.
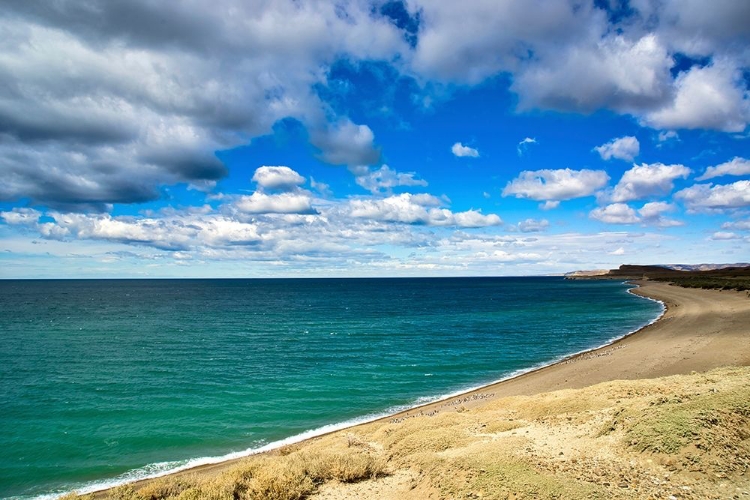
(296, 138)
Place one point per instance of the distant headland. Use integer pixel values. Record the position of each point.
(712, 276)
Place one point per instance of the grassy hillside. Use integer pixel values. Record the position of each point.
(684, 437)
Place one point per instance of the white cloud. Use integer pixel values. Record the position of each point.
(624, 148)
(346, 143)
(720, 197)
(619, 251)
(723, 235)
(655, 209)
(737, 166)
(533, 225)
(668, 135)
(282, 203)
(556, 185)
(280, 177)
(110, 107)
(21, 216)
(524, 145)
(712, 97)
(653, 214)
(740, 225)
(462, 151)
(650, 214)
(469, 42)
(331, 243)
(418, 209)
(623, 74)
(470, 218)
(616, 213)
(627, 63)
(645, 180)
(385, 179)
(112, 102)
(322, 188)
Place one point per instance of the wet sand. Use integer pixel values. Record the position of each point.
(700, 330)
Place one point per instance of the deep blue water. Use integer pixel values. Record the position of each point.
(106, 379)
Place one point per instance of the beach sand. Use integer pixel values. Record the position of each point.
(700, 330)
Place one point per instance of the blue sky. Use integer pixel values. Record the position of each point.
(361, 138)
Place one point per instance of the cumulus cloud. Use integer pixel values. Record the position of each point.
(646, 180)
(280, 178)
(624, 148)
(418, 209)
(346, 143)
(736, 166)
(628, 62)
(533, 225)
(556, 185)
(462, 151)
(524, 145)
(469, 42)
(287, 197)
(723, 236)
(713, 96)
(702, 197)
(282, 203)
(740, 225)
(622, 74)
(667, 135)
(385, 179)
(616, 213)
(650, 214)
(111, 102)
(21, 216)
(653, 214)
(266, 227)
(322, 188)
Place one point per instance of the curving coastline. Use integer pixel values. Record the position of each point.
(698, 330)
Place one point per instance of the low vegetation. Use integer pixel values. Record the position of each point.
(730, 278)
(677, 437)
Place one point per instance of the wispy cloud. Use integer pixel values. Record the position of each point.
(524, 145)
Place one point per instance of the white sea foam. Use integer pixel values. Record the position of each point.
(161, 469)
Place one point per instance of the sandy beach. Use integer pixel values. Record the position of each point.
(700, 330)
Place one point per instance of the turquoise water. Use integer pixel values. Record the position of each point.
(112, 379)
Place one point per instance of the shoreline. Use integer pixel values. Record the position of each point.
(218, 463)
(534, 380)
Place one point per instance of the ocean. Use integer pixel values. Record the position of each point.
(104, 381)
